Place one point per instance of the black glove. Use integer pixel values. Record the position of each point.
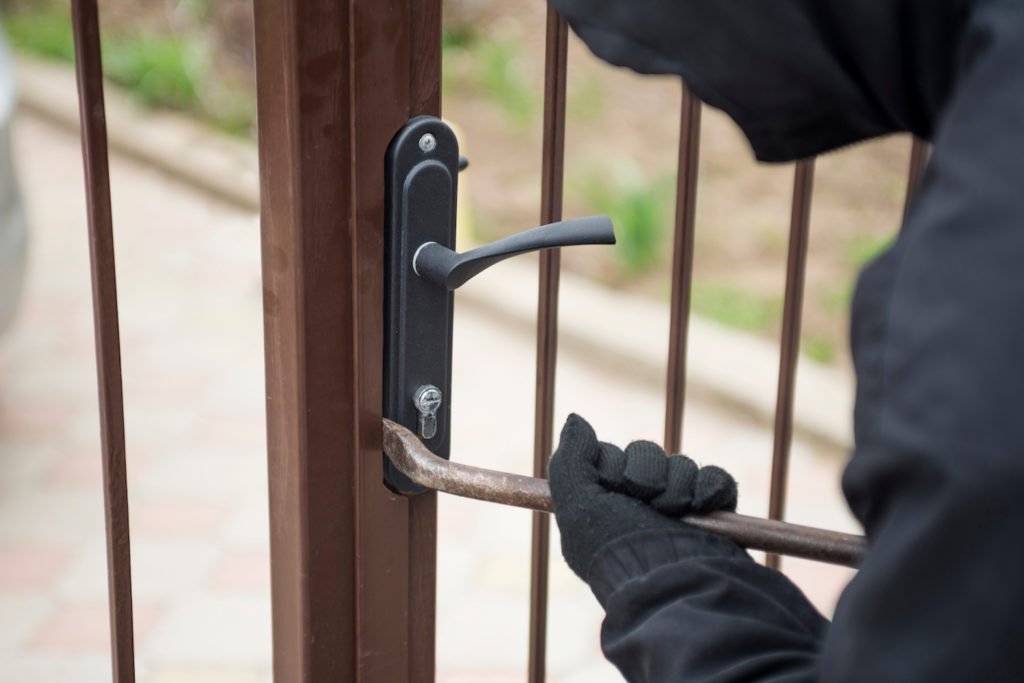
(602, 494)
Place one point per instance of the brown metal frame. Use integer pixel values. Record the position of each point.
(352, 564)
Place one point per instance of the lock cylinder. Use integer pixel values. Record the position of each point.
(427, 400)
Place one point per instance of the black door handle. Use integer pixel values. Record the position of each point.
(422, 269)
(442, 266)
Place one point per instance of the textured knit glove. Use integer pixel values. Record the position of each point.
(602, 493)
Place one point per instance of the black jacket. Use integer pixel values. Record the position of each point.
(937, 476)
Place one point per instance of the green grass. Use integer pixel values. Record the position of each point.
(639, 209)
(744, 310)
(502, 78)
(864, 248)
(819, 348)
(837, 298)
(456, 43)
(857, 252)
(586, 99)
(491, 67)
(157, 70)
(459, 37)
(47, 34)
(736, 307)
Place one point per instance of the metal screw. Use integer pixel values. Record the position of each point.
(427, 400)
(428, 143)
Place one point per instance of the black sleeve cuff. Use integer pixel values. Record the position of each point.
(637, 554)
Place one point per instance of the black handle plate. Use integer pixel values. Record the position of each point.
(422, 184)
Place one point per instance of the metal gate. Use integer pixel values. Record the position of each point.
(353, 565)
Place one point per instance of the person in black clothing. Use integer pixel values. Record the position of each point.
(937, 474)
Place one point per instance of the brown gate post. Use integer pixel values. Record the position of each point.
(352, 565)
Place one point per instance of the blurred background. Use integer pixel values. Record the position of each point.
(182, 125)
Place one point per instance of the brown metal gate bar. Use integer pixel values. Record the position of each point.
(552, 175)
(682, 268)
(410, 456)
(89, 72)
(789, 353)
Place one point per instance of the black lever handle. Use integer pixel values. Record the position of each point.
(442, 266)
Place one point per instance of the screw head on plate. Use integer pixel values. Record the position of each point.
(428, 143)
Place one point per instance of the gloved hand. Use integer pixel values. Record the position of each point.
(602, 493)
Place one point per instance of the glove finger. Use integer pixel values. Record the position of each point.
(677, 499)
(611, 466)
(574, 459)
(715, 490)
(646, 470)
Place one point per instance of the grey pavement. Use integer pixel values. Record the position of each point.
(193, 368)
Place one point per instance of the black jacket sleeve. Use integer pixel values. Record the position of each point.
(798, 76)
(938, 332)
(938, 473)
(692, 607)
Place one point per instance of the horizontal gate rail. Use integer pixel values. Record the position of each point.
(416, 461)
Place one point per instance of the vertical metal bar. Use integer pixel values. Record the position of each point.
(555, 68)
(352, 565)
(89, 71)
(800, 220)
(682, 268)
(918, 159)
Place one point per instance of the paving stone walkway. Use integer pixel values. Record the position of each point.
(192, 340)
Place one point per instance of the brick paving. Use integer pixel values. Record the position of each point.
(191, 330)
